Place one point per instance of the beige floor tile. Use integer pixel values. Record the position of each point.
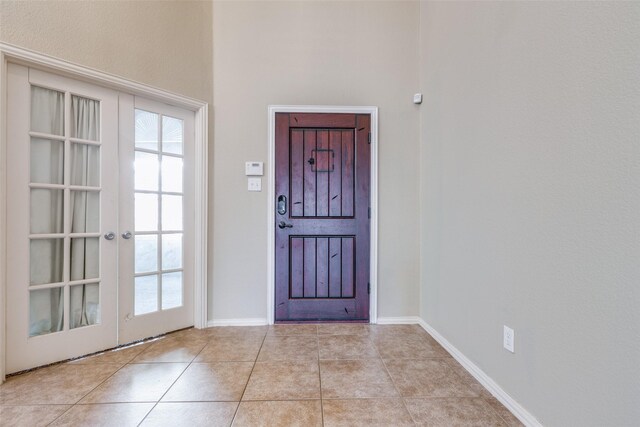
(301, 413)
(220, 381)
(463, 412)
(231, 349)
(427, 378)
(122, 355)
(401, 347)
(236, 331)
(191, 334)
(171, 350)
(137, 383)
(468, 379)
(289, 347)
(503, 412)
(405, 331)
(344, 379)
(30, 415)
(110, 414)
(346, 347)
(192, 414)
(293, 330)
(288, 380)
(59, 384)
(343, 329)
(365, 413)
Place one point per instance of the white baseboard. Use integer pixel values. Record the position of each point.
(258, 321)
(405, 320)
(516, 409)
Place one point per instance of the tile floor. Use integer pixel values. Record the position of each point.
(285, 375)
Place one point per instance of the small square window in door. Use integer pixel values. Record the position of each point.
(322, 160)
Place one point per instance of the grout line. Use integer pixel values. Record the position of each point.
(320, 380)
(90, 391)
(173, 383)
(249, 378)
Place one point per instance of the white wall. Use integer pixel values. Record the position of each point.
(321, 53)
(531, 199)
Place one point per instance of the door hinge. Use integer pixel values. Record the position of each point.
(369, 213)
(368, 288)
(369, 137)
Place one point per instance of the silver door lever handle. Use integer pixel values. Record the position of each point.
(283, 224)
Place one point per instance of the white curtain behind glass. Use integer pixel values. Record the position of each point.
(85, 212)
(46, 256)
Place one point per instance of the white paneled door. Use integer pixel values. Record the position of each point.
(98, 218)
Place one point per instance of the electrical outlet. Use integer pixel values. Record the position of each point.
(508, 340)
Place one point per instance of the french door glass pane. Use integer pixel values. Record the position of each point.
(84, 305)
(47, 111)
(46, 311)
(172, 135)
(172, 174)
(146, 212)
(171, 213)
(171, 290)
(85, 211)
(146, 130)
(146, 294)
(146, 171)
(84, 260)
(85, 165)
(46, 261)
(47, 211)
(47, 161)
(146, 253)
(85, 118)
(171, 251)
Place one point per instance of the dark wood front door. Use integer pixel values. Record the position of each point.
(322, 180)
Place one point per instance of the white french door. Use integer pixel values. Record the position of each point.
(61, 272)
(99, 218)
(157, 211)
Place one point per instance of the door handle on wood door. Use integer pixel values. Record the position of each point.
(283, 224)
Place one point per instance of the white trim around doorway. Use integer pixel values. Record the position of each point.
(18, 55)
(373, 255)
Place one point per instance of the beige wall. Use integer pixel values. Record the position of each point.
(531, 199)
(319, 53)
(167, 44)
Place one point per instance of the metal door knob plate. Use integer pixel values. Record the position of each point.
(127, 235)
(110, 235)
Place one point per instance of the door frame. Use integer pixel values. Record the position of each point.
(21, 56)
(271, 170)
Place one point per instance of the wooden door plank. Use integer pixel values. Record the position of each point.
(297, 268)
(297, 162)
(347, 267)
(322, 120)
(322, 167)
(309, 175)
(335, 178)
(310, 260)
(335, 267)
(322, 265)
(348, 179)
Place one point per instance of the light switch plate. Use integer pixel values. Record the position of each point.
(508, 339)
(254, 184)
(254, 168)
